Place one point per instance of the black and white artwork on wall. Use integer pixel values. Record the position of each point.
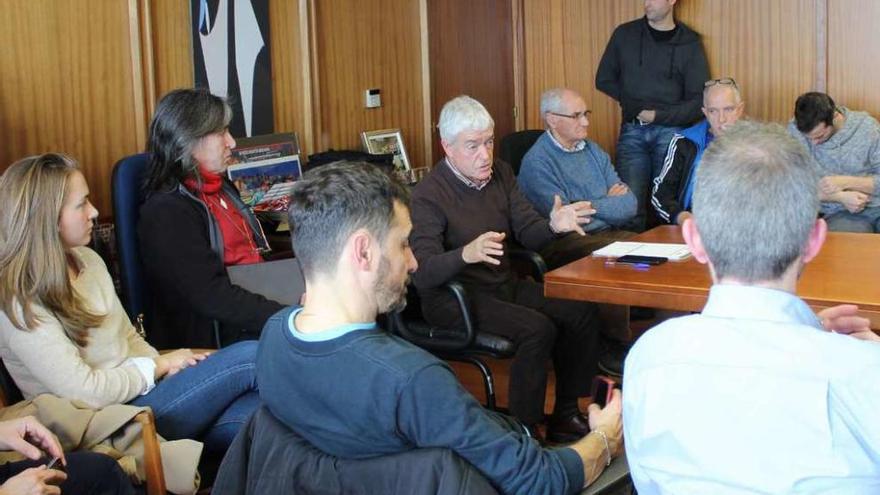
(231, 58)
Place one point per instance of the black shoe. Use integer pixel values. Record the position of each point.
(612, 357)
(567, 430)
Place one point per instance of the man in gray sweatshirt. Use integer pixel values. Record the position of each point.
(846, 147)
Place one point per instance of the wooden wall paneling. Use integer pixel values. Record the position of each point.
(471, 52)
(564, 41)
(67, 85)
(362, 45)
(142, 73)
(314, 80)
(853, 74)
(519, 74)
(821, 69)
(173, 64)
(768, 47)
(425, 48)
(290, 69)
(172, 46)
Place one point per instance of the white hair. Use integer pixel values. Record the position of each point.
(461, 114)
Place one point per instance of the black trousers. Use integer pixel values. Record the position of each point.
(88, 473)
(564, 331)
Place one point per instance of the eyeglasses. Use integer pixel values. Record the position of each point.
(727, 81)
(574, 116)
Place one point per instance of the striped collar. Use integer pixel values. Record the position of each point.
(471, 184)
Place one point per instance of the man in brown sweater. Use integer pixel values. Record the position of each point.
(463, 213)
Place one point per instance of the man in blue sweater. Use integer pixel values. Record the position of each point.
(352, 390)
(564, 162)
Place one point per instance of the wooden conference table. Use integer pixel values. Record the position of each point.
(847, 270)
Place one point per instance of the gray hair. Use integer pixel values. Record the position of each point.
(734, 87)
(331, 202)
(462, 114)
(755, 201)
(551, 100)
(182, 118)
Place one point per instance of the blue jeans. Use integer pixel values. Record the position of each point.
(865, 221)
(209, 401)
(640, 153)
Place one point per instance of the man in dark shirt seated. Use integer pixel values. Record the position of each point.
(352, 390)
(464, 214)
(673, 192)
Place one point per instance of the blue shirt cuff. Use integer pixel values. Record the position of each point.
(574, 468)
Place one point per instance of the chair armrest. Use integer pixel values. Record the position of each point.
(533, 260)
(460, 294)
(152, 456)
(440, 339)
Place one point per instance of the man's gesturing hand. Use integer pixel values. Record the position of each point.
(485, 248)
(571, 216)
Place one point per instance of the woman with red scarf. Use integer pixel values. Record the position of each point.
(193, 225)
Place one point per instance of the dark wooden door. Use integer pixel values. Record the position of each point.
(471, 52)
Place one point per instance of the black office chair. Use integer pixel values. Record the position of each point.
(466, 344)
(126, 185)
(515, 145)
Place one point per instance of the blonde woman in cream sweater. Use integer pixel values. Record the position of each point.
(63, 329)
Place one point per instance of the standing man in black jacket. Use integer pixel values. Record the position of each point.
(655, 68)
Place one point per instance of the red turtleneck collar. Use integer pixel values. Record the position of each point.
(239, 247)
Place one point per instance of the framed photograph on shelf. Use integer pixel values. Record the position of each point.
(387, 141)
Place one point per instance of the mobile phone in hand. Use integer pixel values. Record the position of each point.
(602, 390)
(56, 464)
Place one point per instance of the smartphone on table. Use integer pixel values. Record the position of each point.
(641, 260)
